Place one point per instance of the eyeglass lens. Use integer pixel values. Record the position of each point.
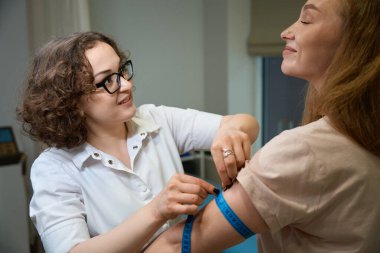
(113, 82)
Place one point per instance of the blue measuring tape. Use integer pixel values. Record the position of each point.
(228, 213)
(186, 237)
(232, 218)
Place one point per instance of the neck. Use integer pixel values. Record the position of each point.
(108, 138)
(319, 81)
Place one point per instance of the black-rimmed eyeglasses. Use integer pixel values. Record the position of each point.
(112, 82)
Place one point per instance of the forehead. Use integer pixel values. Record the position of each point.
(329, 6)
(102, 56)
(328, 10)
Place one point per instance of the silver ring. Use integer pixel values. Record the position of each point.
(227, 152)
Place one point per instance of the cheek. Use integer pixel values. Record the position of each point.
(320, 55)
(312, 59)
(321, 49)
(95, 107)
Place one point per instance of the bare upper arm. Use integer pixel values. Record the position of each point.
(211, 231)
(238, 199)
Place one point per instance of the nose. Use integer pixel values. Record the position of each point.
(287, 34)
(124, 84)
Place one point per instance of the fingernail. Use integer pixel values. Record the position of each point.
(216, 191)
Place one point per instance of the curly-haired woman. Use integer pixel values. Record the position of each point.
(111, 178)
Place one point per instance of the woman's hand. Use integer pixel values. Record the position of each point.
(182, 195)
(231, 146)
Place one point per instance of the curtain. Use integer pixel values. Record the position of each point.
(54, 18)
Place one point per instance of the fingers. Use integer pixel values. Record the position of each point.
(178, 190)
(189, 199)
(242, 154)
(230, 150)
(182, 195)
(230, 162)
(190, 184)
(182, 209)
(220, 165)
(247, 152)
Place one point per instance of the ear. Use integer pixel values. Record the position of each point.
(81, 111)
(80, 108)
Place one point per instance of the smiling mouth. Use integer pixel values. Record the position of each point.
(125, 100)
(290, 49)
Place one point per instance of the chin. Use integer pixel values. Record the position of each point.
(286, 69)
(130, 112)
(133, 109)
(290, 71)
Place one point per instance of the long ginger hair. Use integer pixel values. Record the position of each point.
(350, 97)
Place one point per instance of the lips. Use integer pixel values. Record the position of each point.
(290, 49)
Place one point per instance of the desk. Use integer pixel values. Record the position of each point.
(14, 219)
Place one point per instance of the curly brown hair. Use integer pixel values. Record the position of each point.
(350, 96)
(59, 76)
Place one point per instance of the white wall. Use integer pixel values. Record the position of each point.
(244, 71)
(165, 41)
(232, 76)
(186, 53)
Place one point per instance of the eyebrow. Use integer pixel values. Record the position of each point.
(102, 72)
(310, 6)
(108, 71)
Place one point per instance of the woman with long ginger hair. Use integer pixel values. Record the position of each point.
(313, 188)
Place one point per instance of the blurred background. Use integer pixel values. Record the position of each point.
(221, 56)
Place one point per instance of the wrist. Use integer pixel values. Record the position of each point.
(157, 216)
(241, 122)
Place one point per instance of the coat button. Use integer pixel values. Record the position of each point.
(110, 162)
